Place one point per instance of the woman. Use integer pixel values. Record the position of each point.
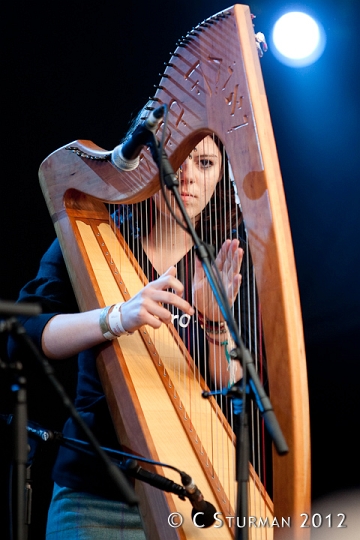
(82, 501)
(158, 241)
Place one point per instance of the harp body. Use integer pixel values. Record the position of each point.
(212, 84)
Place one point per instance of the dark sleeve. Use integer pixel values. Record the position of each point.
(52, 290)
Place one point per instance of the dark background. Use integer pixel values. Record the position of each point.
(78, 70)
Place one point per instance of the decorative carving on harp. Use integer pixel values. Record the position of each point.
(212, 84)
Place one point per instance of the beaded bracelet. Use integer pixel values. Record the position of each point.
(224, 344)
(214, 327)
(215, 341)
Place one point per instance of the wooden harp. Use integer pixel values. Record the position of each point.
(212, 84)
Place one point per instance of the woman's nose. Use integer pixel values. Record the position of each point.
(186, 172)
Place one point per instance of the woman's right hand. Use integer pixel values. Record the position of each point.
(66, 335)
(146, 306)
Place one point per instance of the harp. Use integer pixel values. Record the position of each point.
(212, 84)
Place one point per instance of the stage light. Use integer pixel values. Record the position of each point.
(297, 39)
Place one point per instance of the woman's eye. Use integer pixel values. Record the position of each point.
(205, 163)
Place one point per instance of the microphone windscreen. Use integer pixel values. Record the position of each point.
(205, 518)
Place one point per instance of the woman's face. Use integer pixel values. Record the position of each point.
(198, 177)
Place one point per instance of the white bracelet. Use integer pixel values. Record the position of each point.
(106, 331)
(115, 321)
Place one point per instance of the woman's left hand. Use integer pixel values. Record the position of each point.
(228, 262)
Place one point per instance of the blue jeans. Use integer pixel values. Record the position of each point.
(82, 516)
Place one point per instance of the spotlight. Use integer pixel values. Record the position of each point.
(297, 39)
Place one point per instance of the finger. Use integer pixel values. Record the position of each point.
(154, 313)
(171, 271)
(233, 261)
(232, 278)
(237, 259)
(234, 286)
(227, 254)
(236, 283)
(168, 277)
(143, 310)
(199, 270)
(223, 255)
(161, 314)
(168, 281)
(167, 297)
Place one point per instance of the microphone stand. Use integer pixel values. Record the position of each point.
(128, 463)
(240, 353)
(18, 521)
(13, 327)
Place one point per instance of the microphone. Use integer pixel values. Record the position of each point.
(126, 156)
(132, 468)
(32, 428)
(38, 432)
(203, 512)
